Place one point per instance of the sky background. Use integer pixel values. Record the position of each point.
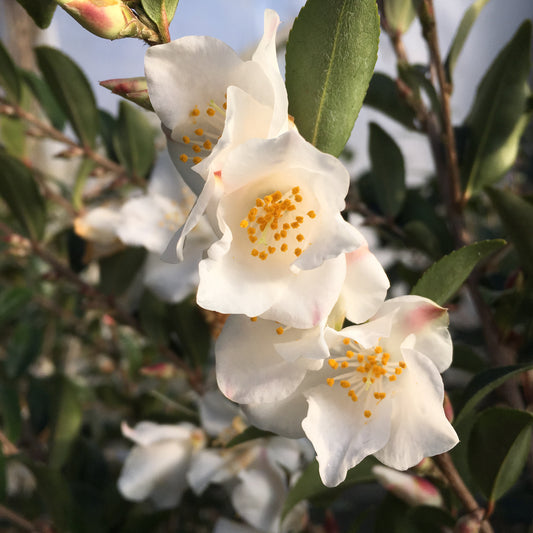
(240, 24)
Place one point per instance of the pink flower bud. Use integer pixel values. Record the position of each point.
(159, 370)
(110, 19)
(133, 89)
(470, 523)
(411, 489)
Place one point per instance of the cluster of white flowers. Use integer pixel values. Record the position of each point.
(289, 270)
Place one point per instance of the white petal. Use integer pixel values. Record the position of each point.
(147, 433)
(158, 471)
(164, 180)
(229, 526)
(249, 370)
(339, 431)
(216, 412)
(284, 452)
(365, 286)
(419, 426)
(207, 466)
(99, 224)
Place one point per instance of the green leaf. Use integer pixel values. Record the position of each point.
(309, 484)
(461, 35)
(517, 217)
(13, 300)
(497, 118)
(400, 13)
(483, 384)
(161, 12)
(388, 171)
(133, 140)
(445, 277)
(330, 58)
(41, 11)
(24, 346)
(9, 76)
(22, 197)
(10, 409)
(250, 433)
(384, 96)
(72, 90)
(152, 315)
(13, 136)
(118, 271)
(66, 420)
(498, 448)
(46, 99)
(85, 168)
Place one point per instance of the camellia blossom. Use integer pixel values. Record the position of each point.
(157, 465)
(379, 393)
(283, 245)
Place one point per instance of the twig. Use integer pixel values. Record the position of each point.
(446, 466)
(16, 519)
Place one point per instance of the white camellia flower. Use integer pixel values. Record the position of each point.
(281, 254)
(379, 393)
(157, 465)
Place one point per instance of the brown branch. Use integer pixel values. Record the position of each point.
(16, 519)
(446, 466)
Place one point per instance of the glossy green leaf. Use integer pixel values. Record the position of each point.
(461, 35)
(24, 346)
(72, 90)
(400, 13)
(13, 300)
(330, 58)
(41, 11)
(66, 420)
(309, 484)
(10, 410)
(517, 217)
(250, 433)
(9, 76)
(13, 136)
(133, 140)
(22, 196)
(498, 118)
(384, 96)
(118, 271)
(483, 384)
(498, 448)
(46, 99)
(161, 12)
(445, 277)
(388, 171)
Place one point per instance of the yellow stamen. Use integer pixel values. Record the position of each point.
(330, 381)
(244, 223)
(345, 384)
(333, 364)
(367, 414)
(253, 319)
(210, 111)
(199, 132)
(196, 160)
(279, 330)
(184, 158)
(186, 139)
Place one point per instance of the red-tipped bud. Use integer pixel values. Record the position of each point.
(133, 89)
(470, 523)
(159, 370)
(413, 490)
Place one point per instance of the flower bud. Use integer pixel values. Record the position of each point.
(110, 19)
(133, 89)
(470, 523)
(411, 489)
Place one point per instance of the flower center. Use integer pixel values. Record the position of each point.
(367, 373)
(277, 221)
(202, 131)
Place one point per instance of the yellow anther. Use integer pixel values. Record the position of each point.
(346, 340)
(291, 208)
(352, 395)
(255, 252)
(362, 370)
(295, 225)
(378, 349)
(286, 225)
(311, 214)
(300, 220)
(274, 225)
(225, 105)
(298, 198)
(398, 371)
(210, 111)
(184, 158)
(199, 131)
(267, 199)
(263, 255)
(300, 237)
(333, 364)
(392, 378)
(385, 358)
(284, 247)
(330, 381)
(360, 358)
(195, 112)
(276, 196)
(253, 319)
(283, 233)
(186, 139)
(295, 190)
(252, 238)
(402, 364)
(196, 160)
(244, 223)
(279, 330)
(197, 148)
(277, 236)
(271, 249)
(259, 202)
(349, 354)
(250, 231)
(344, 364)
(345, 384)
(297, 252)
(371, 359)
(208, 145)
(367, 414)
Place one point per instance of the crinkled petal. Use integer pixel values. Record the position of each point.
(365, 286)
(340, 433)
(156, 471)
(419, 426)
(249, 371)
